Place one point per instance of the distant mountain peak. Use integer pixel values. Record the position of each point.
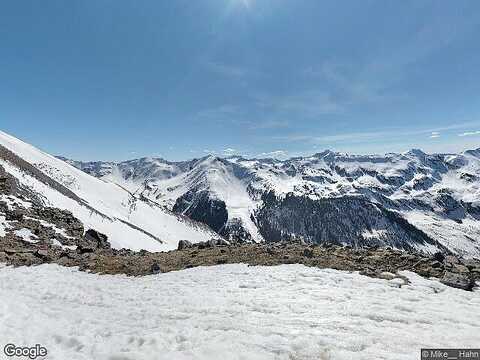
(261, 199)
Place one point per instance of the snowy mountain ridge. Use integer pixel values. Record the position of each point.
(128, 221)
(410, 200)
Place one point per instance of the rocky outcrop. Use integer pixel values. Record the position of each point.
(203, 208)
(382, 263)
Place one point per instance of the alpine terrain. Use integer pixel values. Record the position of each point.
(411, 201)
(38, 188)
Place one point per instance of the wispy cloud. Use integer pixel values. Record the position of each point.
(222, 112)
(470, 133)
(209, 152)
(365, 136)
(226, 70)
(305, 104)
(229, 151)
(277, 154)
(349, 83)
(269, 124)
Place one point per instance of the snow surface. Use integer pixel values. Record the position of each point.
(65, 247)
(114, 205)
(233, 312)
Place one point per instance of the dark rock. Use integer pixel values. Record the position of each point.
(207, 244)
(85, 248)
(438, 256)
(459, 281)
(211, 243)
(472, 265)
(308, 253)
(155, 268)
(14, 215)
(15, 251)
(99, 239)
(42, 253)
(270, 251)
(184, 244)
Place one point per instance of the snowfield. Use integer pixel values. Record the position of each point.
(232, 312)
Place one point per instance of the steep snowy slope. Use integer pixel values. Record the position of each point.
(129, 221)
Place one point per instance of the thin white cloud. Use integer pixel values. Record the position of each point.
(222, 113)
(226, 70)
(373, 135)
(269, 124)
(470, 133)
(308, 104)
(277, 154)
(229, 151)
(209, 152)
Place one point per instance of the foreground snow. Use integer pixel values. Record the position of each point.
(232, 312)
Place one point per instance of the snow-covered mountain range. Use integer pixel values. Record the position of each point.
(129, 221)
(411, 200)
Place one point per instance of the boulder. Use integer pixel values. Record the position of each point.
(211, 243)
(221, 242)
(86, 247)
(308, 253)
(438, 256)
(155, 268)
(97, 238)
(14, 215)
(184, 244)
(42, 253)
(459, 281)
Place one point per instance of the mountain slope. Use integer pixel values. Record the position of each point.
(438, 195)
(129, 221)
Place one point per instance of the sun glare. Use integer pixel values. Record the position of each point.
(247, 4)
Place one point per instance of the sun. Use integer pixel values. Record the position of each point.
(246, 3)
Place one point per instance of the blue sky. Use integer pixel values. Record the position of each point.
(113, 80)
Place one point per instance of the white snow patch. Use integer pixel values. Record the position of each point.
(374, 234)
(26, 235)
(14, 202)
(58, 243)
(52, 226)
(233, 312)
(3, 225)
